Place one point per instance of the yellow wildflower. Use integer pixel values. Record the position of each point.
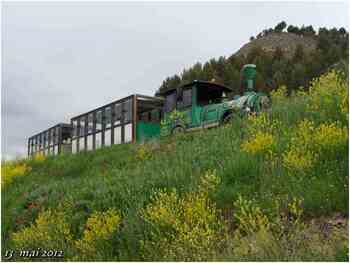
(249, 217)
(260, 143)
(329, 95)
(50, 230)
(99, 228)
(183, 228)
(10, 170)
(310, 144)
(279, 95)
(39, 157)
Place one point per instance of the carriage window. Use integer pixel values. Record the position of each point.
(34, 144)
(82, 126)
(108, 137)
(127, 111)
(40, 142)
(57, 134)
(90, 142)
(187, 98)
(55, 150)
(75, 128)
(108, 117)
(128, 133)
(209, 94)
(51, 136)
(29, 145)
(117, 113)
(98, 120)
(46, 139)
(74, 146)
(90, 123)
(117, 135)
(98, 140)
(170, 102)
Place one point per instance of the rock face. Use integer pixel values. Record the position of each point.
(286, 41)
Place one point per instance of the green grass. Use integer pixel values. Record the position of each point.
(116, 177)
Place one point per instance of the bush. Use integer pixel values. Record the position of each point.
(183, 228)
(98, 233)
(329, 97)
(12, 170)
(51, 230)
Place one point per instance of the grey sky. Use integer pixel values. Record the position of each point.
(62, 59)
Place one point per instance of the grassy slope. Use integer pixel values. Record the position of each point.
(125, 176)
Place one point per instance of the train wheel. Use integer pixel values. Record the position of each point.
(178, 129)
(227, 119)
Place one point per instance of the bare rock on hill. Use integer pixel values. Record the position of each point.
(286, 41)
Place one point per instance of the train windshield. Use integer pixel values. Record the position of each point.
(209, 94)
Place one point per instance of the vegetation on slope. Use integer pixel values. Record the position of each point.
(291, 58)
(261, 188)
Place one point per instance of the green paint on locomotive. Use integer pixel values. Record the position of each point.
(201, 104)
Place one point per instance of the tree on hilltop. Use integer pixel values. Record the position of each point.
(280, 26)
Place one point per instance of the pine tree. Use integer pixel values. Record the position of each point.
(280, 26)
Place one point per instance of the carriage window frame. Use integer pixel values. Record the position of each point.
(170, 102)
(98, 121)
(117, 114)
(90, 125)
(127, 111)
(187, 98)
(81, 125)
(108, 117)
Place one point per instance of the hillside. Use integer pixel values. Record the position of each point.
(284, 56)
(287, 42)
(270, 187)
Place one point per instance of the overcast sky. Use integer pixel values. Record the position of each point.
(63, 59)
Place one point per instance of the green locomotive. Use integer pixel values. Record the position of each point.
(202, 104)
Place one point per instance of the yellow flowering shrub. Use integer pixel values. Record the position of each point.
(272, 235)
(295, 209)
(99, 229)
(50, 230)
(279, 95)
(183, 228)
(10, 170)
(257, 123)
(209, 182)
(39, 157)
(262, 132)
(249, 217)
(284, 216)
(344, 106)
(310, 144)
(329, 95)
(143, 152)
(259, 144)
(329, 137)
(300, 93)
(262, 123)
(295, 159)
